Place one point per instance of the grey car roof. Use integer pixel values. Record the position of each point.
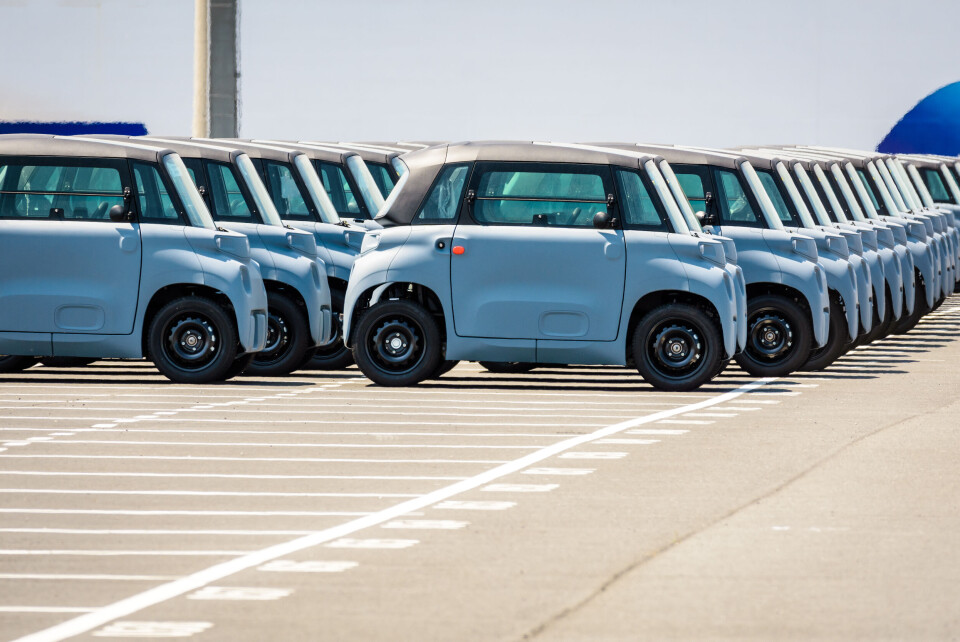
(314, 151)
(367, 154)
(190, 148)
(80, 146)
(256, 150)
(425, 165)
(682, 155)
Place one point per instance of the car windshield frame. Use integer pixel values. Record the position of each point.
(193, 204)
(803, 177)
(766, 205)
(394, 193)
(683, 203)
(666, 197)
(369, 191)
(399, 167)
(855, 211)
(951, 183)
(791, 186)
(920, 187)
(892, 204)
(315, 189)
(891, 185)
(830, 194)
(258, 191)
(869, 209)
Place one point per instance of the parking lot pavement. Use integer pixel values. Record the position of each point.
(564, 504)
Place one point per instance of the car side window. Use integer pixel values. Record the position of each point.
(734, 205)
(338, 189)
(156, 206)
(444, 199)
(381, 176)
(561, 196)
(692, 186)
(773, 191)
(227, 197)
(639, 210)
(284, 191)
(64, 190)
(938, 191)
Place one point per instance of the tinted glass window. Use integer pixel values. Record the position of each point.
(938, 191)
(773, 191)
(284, 191)
(225, 192)
(539, 198)
(734, 204)
(155, 203)
(638, 209)
(338, 189)
(868, 187)
(692, 185)
(444, 199)
(382, 177)
(60, 191)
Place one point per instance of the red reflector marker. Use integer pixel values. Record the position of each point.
(458, 249)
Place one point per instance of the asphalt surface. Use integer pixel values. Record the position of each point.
(565, 504)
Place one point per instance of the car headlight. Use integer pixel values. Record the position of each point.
(805, 246)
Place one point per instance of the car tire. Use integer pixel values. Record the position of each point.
(907, 323)
(397, 343)
(66, 362)
(444, 368)
(779, 336)
(508, 367)
(335, 355)
(837, 342)
(11, 363)
(677, 347)
(288, 338)
(239, 365)
(192, 340)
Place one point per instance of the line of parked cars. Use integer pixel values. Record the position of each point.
(216, 257)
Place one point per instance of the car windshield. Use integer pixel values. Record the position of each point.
(261, 197)
(369, 191)
(830, 194)
(678, 195)
(321, 200)
(769, 211)
(660, 184)
(196, 209)
(848, 196)
(804, 179)
(805, 217)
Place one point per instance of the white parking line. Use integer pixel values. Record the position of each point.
(64, 473)
(96, 577)
(657, 431)
(334, 422)
(191, 493)
(144, 531)
(192, 513)
(263, 459)
(156, 595)
(267, 432)
(99, 552)
(268, 444)
(47, 609)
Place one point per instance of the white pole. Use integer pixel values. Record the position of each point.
(201, 68)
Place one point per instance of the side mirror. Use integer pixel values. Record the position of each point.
(118, 214)
(603, 220)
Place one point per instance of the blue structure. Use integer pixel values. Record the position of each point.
(71, 128)
(931, 127)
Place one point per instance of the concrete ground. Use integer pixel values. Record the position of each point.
(565, 504)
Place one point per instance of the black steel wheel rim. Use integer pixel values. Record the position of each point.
(397, 345)
(278, 341)
(771, 336)
(676, 349)
(192, 341)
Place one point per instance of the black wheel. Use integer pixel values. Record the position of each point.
(239, 365)
(779, 336)
(192, 340)
(288, 338)
(444, 368)
(837, 341)
(397, 343)
(508, 367)
(66, 362)
(10, 363)
(334, 355)
(908, 322)
(677, 347)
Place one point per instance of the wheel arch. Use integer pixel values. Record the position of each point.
(400, 290)
(175, 291)
(654, 300)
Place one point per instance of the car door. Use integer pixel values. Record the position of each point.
(66, 266)
(527, 262)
